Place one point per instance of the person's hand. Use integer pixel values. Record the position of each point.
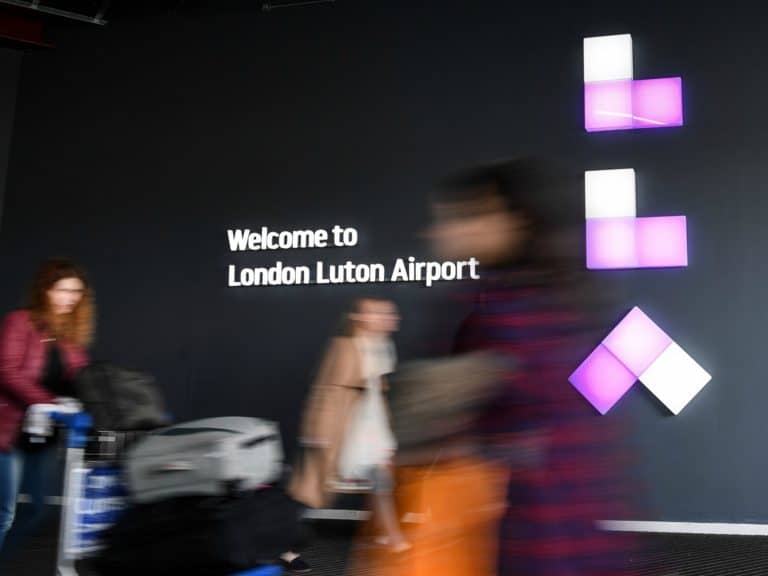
(66, 405)
(37, 420)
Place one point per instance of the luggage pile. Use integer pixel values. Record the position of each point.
(201, 498)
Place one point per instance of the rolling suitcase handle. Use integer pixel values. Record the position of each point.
(170, 467)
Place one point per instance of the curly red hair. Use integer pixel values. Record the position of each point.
(77, 327)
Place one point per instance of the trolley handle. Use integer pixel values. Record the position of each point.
(78, 424)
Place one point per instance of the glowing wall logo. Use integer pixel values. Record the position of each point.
(614, 100)
(616, 238)
(637, 349)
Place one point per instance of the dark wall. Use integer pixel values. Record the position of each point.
(10, 61)
(138, 145)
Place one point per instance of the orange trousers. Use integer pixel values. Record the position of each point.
(451, 512)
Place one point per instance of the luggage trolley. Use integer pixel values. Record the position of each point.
(93, 494)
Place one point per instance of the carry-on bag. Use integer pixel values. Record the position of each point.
(211, 457)
(202, 536)
(119, 399)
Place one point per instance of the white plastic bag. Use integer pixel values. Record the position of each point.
(369, 441)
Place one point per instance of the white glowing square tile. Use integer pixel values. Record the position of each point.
(610, 193)
(675, 378)
(608, 58)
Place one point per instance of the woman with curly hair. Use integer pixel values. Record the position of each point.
(42, 347)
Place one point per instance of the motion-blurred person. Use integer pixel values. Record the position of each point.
(346, 432)
(41, 349)
(450, 496)
(520, 219)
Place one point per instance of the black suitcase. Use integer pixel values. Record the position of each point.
(202, 536)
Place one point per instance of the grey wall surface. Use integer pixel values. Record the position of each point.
(138, 145)
(10, 61)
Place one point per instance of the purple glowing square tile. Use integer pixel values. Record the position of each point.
(608, 105)
(611, 243)
(637, 341)
(657, 102)
(602, 379)
(661, 242)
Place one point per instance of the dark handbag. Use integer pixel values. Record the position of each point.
(120, 399)
(202, 536)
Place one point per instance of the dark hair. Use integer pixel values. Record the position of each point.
(544, 190)
(549, 193)
(77, 327)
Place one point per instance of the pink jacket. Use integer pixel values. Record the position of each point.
(23, 352)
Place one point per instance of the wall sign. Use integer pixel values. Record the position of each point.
(616, 238)
(613, 100)
(637, 349)
(407, 269)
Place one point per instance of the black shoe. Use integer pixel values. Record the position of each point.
(296, 566)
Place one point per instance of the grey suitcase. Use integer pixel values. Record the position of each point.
(204, 457)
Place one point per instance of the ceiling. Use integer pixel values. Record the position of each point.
(23, 22)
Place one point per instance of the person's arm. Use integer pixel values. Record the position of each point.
(13, 381)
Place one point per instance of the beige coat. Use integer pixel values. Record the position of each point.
(334, 397)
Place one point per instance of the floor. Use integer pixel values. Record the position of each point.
(670, 555)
